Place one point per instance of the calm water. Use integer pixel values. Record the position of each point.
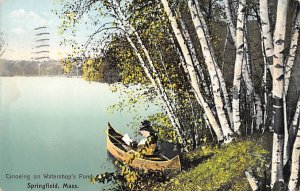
(55, 126)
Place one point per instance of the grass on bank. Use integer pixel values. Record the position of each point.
(223, 168)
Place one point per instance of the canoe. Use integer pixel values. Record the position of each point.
(117, 148)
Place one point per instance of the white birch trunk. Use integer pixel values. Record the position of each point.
(266, 32)
(278, 76)
(264, 86)
(252, 180)
(294, 178)
(212, 71)
(208, 125)
(288, 68)
(277, 159)
(238, 67)
(219, 72)
(292, 53)
(195, 60)
(229, 20)
(294, 125)
(192, 73)
(291, 134)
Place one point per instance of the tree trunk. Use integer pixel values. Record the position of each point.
(278, 76)
(199, 27)
(266, 32)
(219, 72)
(291, 134)
(294, 178)
(238, 67)
(294, 125)
(252, 180)
(288, 68)
(192, 73)
(293, 50)
(196, 63)
(229, 20)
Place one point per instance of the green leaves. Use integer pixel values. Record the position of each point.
(93, 70)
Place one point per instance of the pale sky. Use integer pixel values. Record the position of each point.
(18, 20)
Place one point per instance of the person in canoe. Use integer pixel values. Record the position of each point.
(148, 145)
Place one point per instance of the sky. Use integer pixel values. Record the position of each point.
(19, 18)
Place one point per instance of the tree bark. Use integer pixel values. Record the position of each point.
(266, 32)
(252, 180)
(196, 63)
(288, 70)
(203, 39)
(294, 178)
(229, 20)
(278, 76)
(294, 125)
(293, 50)
(219, 72)
(191, 71)
(238, 67)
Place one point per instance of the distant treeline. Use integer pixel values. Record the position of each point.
(29, 68)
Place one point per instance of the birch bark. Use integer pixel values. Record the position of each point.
(199, 27)
(192, 50)
(294, 178)
(293, 49)
(278, 76)
(266, 32)
(294, 124)
(288, 70)
(252, 180)
(191, 71)
(238, 66)
(229, 20)
(219, 72)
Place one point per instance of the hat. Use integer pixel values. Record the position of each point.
(146, 126)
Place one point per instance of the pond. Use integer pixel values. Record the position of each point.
(52, 130)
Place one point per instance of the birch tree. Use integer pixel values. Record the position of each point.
(238, 66)
(207, 54)
(266, 35)
(289, 62)
(278, 76)
(294, 178)
(192, 73)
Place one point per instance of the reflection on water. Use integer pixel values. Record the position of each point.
(55, 126)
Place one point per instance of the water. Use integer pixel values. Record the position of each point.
(55, 126)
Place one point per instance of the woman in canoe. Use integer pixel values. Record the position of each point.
(148, 145)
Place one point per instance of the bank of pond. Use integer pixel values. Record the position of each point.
(208, 168)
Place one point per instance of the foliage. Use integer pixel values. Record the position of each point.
(128, 178)
(92, 70)
(121, 54)
(67, 66)
(223, 171)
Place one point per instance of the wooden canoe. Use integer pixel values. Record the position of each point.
(115, 147)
